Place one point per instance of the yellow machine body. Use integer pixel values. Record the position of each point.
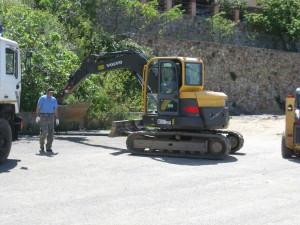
(292, 125)
(290, 144)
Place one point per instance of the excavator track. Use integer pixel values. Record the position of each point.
(205, 145)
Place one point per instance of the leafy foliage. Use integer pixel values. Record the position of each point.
(221, 27)
(112, 94)
(77, 18)
(60, 34)
(41, 33)
(280, 17)
(113, 99)
(229, 6)
(123, 16)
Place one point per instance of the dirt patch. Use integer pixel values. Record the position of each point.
(258, 124)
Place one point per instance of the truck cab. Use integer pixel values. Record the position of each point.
(10, 73)
(10, 90)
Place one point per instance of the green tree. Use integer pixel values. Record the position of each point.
(279, 17)
(87, 23)
(43, 35)
(77, 17)
(125, 16)
(112, 95)
(60, 34)
(221, 27)
(229, 6)
(86, 29)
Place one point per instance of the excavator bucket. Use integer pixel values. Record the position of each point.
(73, 112)
(125, 127)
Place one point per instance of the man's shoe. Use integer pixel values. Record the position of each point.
(49, 150)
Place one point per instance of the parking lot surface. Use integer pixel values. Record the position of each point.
(91, 179)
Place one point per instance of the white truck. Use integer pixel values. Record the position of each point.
(10, 90)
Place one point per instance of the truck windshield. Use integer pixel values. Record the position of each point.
(193, 74)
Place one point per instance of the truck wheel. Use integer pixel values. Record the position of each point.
(5, 139)
(285, 151)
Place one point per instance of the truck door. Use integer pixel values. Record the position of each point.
(11, 77)
(168, 100)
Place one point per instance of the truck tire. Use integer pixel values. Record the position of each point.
(286, 153)
(5, 139)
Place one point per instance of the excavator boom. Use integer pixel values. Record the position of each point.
(134, 60)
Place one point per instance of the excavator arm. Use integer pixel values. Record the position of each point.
(134, 60)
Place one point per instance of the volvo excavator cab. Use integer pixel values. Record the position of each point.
(179, 117)
(180, 102)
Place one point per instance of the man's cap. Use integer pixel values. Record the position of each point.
(50, 89)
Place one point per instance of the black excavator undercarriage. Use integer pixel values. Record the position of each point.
(204, 145)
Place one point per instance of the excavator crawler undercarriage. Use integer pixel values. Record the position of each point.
(205, 145)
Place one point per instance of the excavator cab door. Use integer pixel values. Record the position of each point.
(168, 100)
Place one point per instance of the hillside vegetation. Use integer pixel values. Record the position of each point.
(55, 37)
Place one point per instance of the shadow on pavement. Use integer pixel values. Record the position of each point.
(193, 161)
(82, 140)
(8, 165)
(238, 153)
(166, 159)
(295, 159)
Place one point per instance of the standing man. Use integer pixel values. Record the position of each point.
(46, 112)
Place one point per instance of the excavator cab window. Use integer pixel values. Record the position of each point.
(168, 94)
(168, 78)
(193, 74)
(152, 95)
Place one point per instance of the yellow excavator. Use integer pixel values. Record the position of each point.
(290, 143)
(179, 117)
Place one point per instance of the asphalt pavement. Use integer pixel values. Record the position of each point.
(92, 179)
